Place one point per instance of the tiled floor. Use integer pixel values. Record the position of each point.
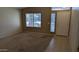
(59, 44)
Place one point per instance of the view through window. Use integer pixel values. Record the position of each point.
(33, 20)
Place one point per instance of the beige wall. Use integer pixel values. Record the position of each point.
(74, 29)
(62, 23)
(9, 21)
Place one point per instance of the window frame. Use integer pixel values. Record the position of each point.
(33, 19)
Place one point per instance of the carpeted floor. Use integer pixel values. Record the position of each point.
(26, 42)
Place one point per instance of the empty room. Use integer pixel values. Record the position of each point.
(39, 29)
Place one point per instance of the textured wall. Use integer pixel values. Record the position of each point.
(45, 18)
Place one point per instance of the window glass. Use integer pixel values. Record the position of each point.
(33, 20)
(37, 19)
(52, 25)
(29, 20)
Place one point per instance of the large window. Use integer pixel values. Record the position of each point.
(52, 24)
(33, 20)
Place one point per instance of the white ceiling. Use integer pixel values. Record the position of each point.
(19, 7)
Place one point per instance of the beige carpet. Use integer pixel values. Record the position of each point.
(26, 42)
